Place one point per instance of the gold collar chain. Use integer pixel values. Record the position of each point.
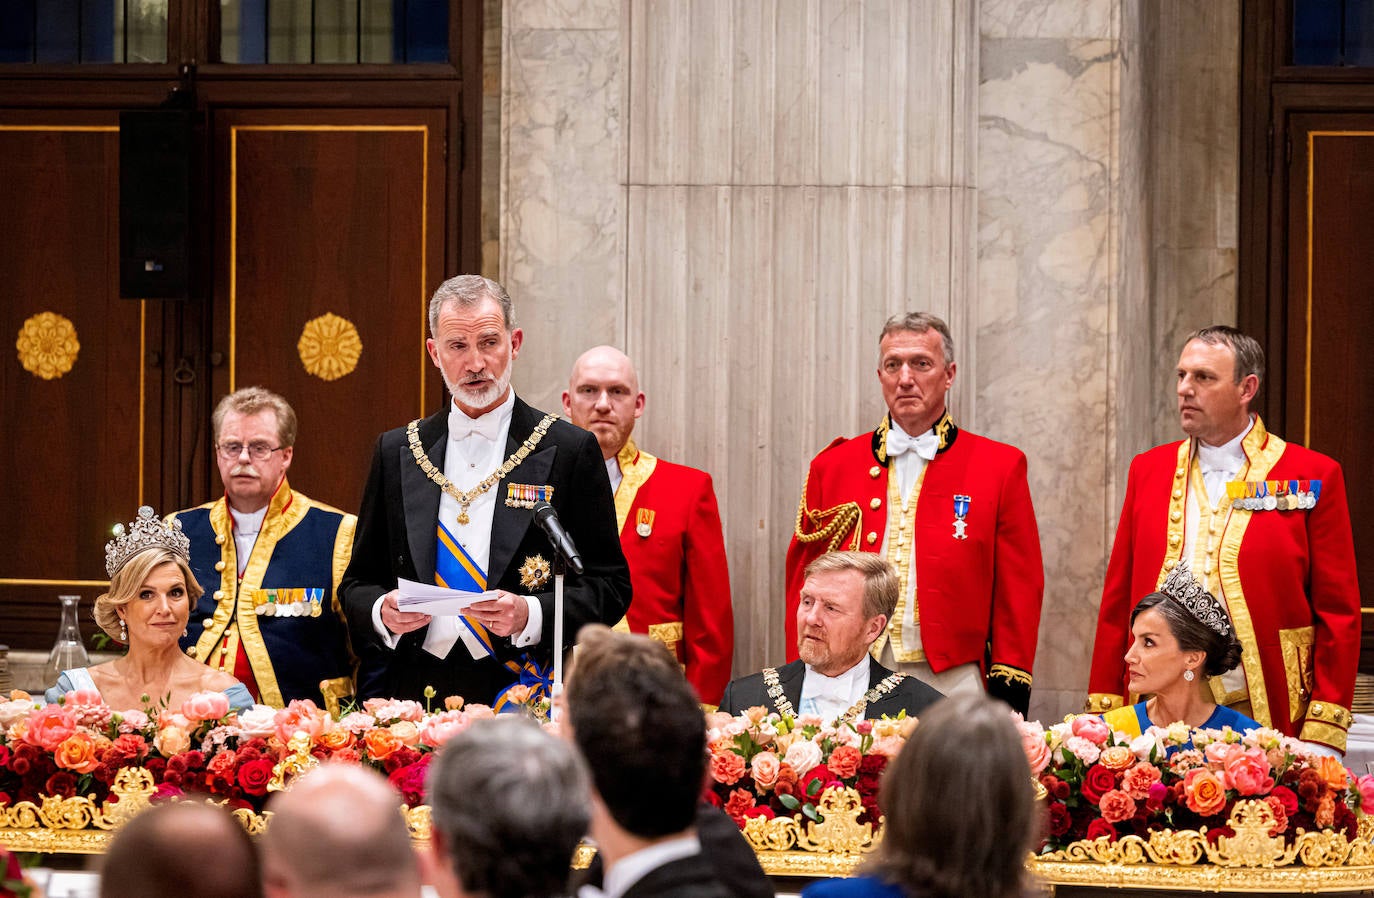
(465, 499)
(775, 692)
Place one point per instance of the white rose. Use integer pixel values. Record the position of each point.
(258, 720)
(802, 756)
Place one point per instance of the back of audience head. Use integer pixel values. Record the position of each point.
(180, 849)
(509, 805)
(959, 804)
(338, 832)
(636, 720)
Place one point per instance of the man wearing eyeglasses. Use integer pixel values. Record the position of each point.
(269, 559)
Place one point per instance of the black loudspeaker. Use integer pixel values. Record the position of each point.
(155, 245)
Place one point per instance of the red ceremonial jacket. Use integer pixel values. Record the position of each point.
(1287, 576)
(671, 534)
(978, 598)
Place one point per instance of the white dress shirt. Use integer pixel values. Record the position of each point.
(613, 472)
(829, 697)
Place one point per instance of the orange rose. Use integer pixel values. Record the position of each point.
(381, 744)
(1203, 792)
(77, 753)
(172, 740)
(518, 694)
(336, 738)
(453, 703)
(1333, 772)
(406, 731)
(1116, 757)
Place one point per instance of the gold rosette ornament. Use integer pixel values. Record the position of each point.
(535, 572)
(329, 346)
(47, 345)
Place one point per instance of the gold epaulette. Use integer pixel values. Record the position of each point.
(1101, 702)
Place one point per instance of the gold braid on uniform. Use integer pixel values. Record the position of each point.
(1009, 674)
(842, 520)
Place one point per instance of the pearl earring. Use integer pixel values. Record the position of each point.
(123, 632)
(1188, 675)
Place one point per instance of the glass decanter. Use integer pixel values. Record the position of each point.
(67, 652)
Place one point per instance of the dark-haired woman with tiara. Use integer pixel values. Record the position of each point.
(1181, 635)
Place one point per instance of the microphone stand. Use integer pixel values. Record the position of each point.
(559, 568)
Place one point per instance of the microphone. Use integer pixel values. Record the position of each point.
(547, 519)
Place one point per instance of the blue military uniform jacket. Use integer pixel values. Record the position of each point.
(285, 609)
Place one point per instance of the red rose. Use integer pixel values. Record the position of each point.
(844, 761)
(1097, 781)
(760, 811)
(1287, 798)
(816, 781)
(712, 797)
(4, 755)
(410, 781)
(1059, 821)
(254, 775)
(739, 802)
(1098, 828)
(61, 784)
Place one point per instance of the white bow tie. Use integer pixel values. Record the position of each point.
(925, 445)
(487, 427)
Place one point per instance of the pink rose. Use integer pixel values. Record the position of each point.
(1218, 753)
(1365, 785)
(1247, 772)
(1092, 728)
(205, 706)
(442, 727)
(301, 716)
(480, 712)
(1037, 749)
(49, 726)
(887, 746)
(765, 767)
(1116, 806)
(406, 731)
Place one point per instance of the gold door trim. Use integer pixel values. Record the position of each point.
(1307, 337)
(422, 130)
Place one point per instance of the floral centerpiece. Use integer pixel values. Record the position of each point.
(1103, 785)
(766, 765)
(77, 746)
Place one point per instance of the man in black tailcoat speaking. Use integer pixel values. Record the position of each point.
(449, 500)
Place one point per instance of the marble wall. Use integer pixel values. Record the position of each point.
(738, 193)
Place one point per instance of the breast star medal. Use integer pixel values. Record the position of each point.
(535, 572)
(961, 504)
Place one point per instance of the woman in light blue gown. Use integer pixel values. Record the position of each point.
(152, 591)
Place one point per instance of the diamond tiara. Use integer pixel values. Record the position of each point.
(1201, 604)
(144, 532)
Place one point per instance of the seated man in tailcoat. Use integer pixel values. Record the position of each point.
(846, 602)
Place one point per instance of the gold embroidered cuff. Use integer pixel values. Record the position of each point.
(1009, 674)
(1100, 702)
(1324, 733)
(1329, 713)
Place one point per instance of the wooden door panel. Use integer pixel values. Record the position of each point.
(334, 241)
(82, 419)
(1329, 396)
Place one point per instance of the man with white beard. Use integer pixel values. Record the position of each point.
(449, 500)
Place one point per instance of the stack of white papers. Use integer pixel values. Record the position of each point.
(427, 598)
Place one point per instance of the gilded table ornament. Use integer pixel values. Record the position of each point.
(47, 345)
(329, 346)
